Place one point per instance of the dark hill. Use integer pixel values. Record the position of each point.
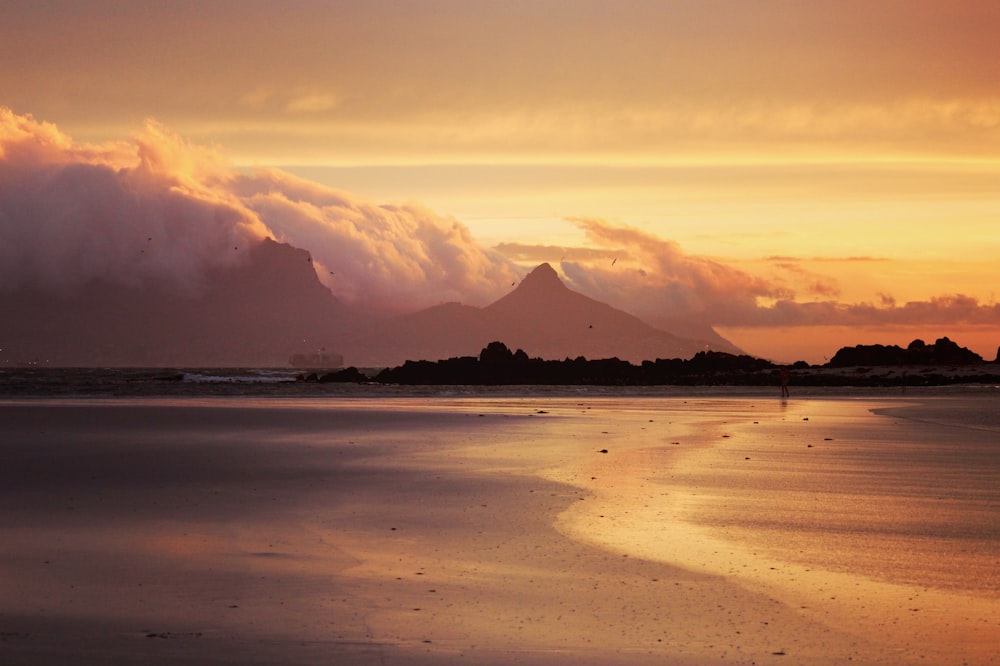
(545, 318)
(256, 314)
(450, 329)
(542, 316)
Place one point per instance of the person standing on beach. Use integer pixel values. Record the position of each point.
(784, 383)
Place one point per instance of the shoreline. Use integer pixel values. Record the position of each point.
(72, 383)
(963, 618)
(410, 532)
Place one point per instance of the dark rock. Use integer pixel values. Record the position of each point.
(942, 352)
(496, 365)
(345, 376)
(496, 352)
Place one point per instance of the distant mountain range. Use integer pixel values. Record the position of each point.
(273, 306)
(541, 316)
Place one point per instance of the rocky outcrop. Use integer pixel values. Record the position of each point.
(497, 365)
(942, 352)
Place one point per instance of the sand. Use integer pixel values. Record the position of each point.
(535, 530)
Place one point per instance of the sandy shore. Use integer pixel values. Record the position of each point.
(425, 531)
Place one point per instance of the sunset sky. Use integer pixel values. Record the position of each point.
(800, 175)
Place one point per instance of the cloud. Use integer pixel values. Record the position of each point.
(810, 282)
(159, 211)
(887, 300)
(949, 310)
(656, 280)
(136, 215)
(856, 259)
(312, 102)
(544, 253)
(386, 257)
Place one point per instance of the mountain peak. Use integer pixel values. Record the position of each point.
(542, 277)
(543, 269)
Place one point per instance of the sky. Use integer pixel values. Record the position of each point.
(800, 175)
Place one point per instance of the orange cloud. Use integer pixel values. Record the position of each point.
(382, 256)
(664, 285)
(785, 258)
(159, 211)
(949, 310)
(547, 253)
(810, 282)
(660, 282)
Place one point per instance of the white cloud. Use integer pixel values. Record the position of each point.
(158, 210)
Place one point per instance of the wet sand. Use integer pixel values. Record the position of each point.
(878, 527)
(433, 531)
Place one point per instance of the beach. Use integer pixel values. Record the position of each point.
(536, 529)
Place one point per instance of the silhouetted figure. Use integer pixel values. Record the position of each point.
(784, 383)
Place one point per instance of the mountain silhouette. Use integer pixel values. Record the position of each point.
(546, 318)
(541, 315)
(272, 305)
(255, 314)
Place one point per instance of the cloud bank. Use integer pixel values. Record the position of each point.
(139, 215)
(656, 280)
(660, 282)
(392, 258)
(157, 211)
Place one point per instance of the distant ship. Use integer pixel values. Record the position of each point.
(321, 359)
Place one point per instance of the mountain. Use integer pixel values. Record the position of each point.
(442, 331)
(273, 305)
(542, 316)
(545, 318)
(255, 314)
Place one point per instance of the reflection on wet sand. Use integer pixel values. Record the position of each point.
(878, 526)
(543, 530)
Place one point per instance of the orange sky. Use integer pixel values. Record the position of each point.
(844, 154)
